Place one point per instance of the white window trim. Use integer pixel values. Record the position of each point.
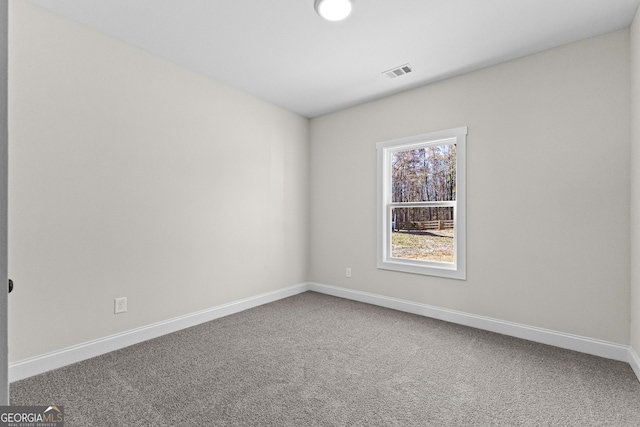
(455, 270)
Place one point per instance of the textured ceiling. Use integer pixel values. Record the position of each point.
(282, 52)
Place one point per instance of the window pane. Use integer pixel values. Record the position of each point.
(423, 233)
(424, 175)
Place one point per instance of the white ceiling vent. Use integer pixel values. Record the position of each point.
(398, 71)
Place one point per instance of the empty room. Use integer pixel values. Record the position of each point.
(336, 212)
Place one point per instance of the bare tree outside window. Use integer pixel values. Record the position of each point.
(427, 174)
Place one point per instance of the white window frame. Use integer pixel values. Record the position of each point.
(385, 149)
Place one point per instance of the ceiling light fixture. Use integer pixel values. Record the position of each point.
(334, 10)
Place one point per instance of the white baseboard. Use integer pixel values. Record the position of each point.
(57, 359)
(634, 361)
(558, 339)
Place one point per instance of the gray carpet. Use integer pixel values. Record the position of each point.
(316, 360)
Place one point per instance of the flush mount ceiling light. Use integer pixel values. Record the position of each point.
(334, 10)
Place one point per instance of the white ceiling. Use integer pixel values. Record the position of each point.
(282, 52)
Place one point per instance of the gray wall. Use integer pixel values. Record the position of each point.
(635, 184)
(547, 190)
(4, 390)
(132, 177)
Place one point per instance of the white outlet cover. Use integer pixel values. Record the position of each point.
(120, 305)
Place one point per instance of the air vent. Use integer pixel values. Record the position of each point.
(398, 71)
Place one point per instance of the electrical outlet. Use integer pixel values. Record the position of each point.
(120, 305)
(348, 271)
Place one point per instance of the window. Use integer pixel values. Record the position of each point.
(421, 204)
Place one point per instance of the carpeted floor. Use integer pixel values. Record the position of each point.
(317, 360)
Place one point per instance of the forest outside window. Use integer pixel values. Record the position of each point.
(421, 204)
